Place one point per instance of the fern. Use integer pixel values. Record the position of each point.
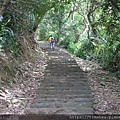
(7, 41)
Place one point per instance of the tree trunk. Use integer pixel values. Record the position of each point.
(4, 6)
(90, 15)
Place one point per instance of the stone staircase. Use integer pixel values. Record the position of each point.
(65, 88)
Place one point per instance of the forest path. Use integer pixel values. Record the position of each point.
(65, 88)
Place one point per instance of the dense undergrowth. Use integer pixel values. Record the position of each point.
(14, 50)
(18, 22)
(104, 54)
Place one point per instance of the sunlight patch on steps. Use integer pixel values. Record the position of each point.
(86, 65)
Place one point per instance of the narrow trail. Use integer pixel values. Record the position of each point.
(65, 88)
(62, 88)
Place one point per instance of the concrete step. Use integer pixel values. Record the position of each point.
(59, 65)
(63, 111)
(58, 62)
(64, 69)
(65, 76)
(61, 100)
(72, 92)
(65, 72)
(59, 70)
(79, 85)
(65, 79)
(64, 96)
(72, 86)
(65, 88)
(61, 105)
(65, 82)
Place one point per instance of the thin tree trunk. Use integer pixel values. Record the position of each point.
(4, 7)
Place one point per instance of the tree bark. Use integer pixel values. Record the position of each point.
(91, 10)
(4, 7)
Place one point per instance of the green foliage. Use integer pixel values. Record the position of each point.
(66, 43)
(117, 74)
(7, 41)
(106, 55)
(87, 29)
(81, 49)
(41, 33)
(71, 47)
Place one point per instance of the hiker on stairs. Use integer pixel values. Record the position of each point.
(51, 41)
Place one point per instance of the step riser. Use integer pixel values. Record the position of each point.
(64, 88)
(66, 96)
(50, 105)
(59, 111)
(65, 80)
(74, 87)
(63, 100)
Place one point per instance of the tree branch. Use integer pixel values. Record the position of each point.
(4, 6)
(114, 3)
